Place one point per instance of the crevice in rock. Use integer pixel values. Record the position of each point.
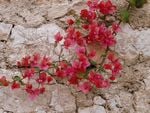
(23, 18)
(13, 25)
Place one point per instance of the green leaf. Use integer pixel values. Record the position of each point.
(21, 82)
(93, 62)
(16, 78)
(132, 2)
(1, 84)
(78, 22)
(101, 69)
(82, 75)
(125, 16)
(140, 3)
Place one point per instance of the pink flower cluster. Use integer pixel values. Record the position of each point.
(83, 72)
(92, 29)
(34, 75)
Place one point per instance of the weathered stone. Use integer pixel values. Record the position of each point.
(140, 18)
(77, 7)
(131, 43)
(142, 101)
(5, 31)
(93, 109)
(57, 11)
(123, 100)
(40, 110)
(2, 58)
(32, 13)
(99, 101)
(59, 2)
(147, 83)
(25, 41)
(84, 100)
(1, 110)
(62, 100)
(17, 101)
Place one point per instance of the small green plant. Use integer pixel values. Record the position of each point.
(125, 14)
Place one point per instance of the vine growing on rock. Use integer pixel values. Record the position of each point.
(95, 64)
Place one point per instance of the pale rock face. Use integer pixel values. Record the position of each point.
(56, 99)
(140, 17)
(93, 109)
(84, 100)
(57, 11)
(17, 101)
(131, 43)
(2, 58)
(62, 101)
(5, 31)
(1, 110)
(147, 83)
(25, 41)
(142, 102)
(33, 13)
(99, 101)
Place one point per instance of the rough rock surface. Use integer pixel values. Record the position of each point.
(28, 26)
(132, 43)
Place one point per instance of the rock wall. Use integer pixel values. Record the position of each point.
(28, 26)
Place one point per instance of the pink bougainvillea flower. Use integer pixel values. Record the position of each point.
(49, 79)
(117, 67)
(114, 65)
(29, 73)
(81, 64)
(88, 15)
(111, 57)
(42, 90)
(28, 87)
(80, 50)
(45, 63)
(77, 65)
(42, 78)
(85, 26)
(80, 41)
(15, 85)
(93, 4)
(33, 93)
(25, 62)
(105, 84)
(85, 87)
(92, 54)
(116, 27)
(84, 60)
(58, 37)
(60, 73)
(70, 22)
(73, 79)
(112, 78)
(84, 13)
(96, 79)
(63, 64)
(35, 60)
(108, 66)
(3, 81)
(67, 43)
(106, 7)
(70, 71)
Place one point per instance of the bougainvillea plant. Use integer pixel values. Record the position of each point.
(95, 63)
